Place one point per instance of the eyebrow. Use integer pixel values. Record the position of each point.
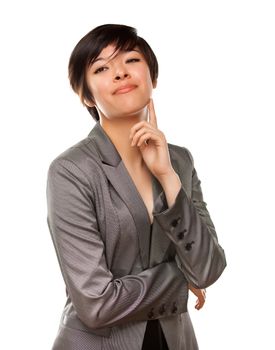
(108, 58)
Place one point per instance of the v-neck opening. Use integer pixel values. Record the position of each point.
(116, 160)
(119, 178)
(140, 196)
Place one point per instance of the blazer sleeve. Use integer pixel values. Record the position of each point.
(189, 226)
(99, 299)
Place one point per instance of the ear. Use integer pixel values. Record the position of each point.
(155, 84)
(89, 103)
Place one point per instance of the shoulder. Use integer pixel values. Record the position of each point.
(78, 158)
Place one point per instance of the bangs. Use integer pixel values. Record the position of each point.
(120, 43)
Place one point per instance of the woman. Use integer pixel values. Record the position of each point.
(125, 210)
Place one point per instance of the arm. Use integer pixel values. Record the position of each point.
(188, 224)
(99, 299)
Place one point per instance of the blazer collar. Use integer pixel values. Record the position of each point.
(106, 149)
(118, 175)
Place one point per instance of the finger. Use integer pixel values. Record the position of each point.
(146, 137)
(152, 114)
(202, 302)
(139, 133)
(197, 306)
(201, 298)
(138, 127)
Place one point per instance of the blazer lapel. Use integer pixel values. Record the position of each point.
(121, 180)
(119, 177)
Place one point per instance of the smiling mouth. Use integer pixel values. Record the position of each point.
(125, 90)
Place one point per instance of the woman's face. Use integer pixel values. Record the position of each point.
(121, 84)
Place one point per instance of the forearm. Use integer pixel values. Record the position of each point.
(103, 301)
(100, 300)
(187, 223)
(158, 292)
(171, 185)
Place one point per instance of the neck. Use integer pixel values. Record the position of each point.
(118, 130)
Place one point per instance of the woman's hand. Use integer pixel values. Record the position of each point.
(200, 294)
(152, 144)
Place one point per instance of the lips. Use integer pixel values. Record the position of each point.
(123, 89)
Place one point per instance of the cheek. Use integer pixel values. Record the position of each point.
(96, 83)
(148, 85)
(146, 78)
(99, 90)
(96, 87)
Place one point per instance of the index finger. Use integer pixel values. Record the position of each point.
(152, 114)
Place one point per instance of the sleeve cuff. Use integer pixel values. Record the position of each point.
(169, 217)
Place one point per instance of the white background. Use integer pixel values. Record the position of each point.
(215, 96)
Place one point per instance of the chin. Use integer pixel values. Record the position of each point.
(134, 107)
(133, 112)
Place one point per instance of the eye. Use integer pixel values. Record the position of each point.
(100, 69)
(130, 60)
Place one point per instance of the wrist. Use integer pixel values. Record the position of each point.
(170, 175)
(171, 184)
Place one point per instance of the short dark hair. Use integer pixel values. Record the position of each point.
(90, 46)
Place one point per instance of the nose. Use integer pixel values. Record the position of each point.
(120, 71)
(120, 76)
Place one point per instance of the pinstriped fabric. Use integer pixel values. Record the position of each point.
(188, 339)
(72, 339)
(128, 336)
(100, 229)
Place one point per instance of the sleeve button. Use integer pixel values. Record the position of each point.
(181, 234)
(188, 246)
(151, 313)
(175, 222)
(174, 308)
(162, 309)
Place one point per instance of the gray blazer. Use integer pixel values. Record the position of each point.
(116, 279)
